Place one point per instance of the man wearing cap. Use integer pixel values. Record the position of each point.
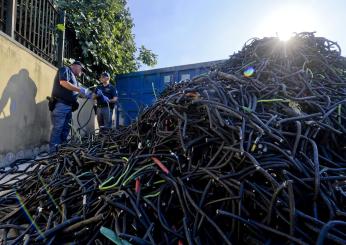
(106, 97)
(64, 93)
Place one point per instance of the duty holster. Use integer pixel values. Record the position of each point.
(51, 103)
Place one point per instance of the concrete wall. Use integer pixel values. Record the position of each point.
(25, 81)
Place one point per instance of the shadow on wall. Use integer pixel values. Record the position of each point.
(28, 123)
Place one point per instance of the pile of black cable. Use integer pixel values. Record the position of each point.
(252, 153)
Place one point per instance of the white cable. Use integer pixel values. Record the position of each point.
(109, 113)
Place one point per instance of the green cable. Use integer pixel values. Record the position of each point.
(154, 194)
(83, 174)
(102, 187)
(123, 174)
(308, 70)
(112, 236)
(136, 172)
(159, 182)
(273, 100)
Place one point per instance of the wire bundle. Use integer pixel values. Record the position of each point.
(253, 153)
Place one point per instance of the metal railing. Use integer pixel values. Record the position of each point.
(33, 23)
(35, 28)
(2, 14)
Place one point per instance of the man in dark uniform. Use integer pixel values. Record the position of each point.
(106, 96)
(65, 92)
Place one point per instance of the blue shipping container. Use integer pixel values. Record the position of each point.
(137, 90)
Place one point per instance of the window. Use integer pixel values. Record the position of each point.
(167, 79)
(185, 76)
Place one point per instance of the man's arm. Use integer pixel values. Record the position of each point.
(64, 77)
(69, 86)
(114, 99)
(115, 96)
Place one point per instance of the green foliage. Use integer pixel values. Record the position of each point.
(60, 27)
(103, 29)
(147, 56)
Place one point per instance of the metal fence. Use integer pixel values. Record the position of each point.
(36, 27)
(33, 24)
(2, 15)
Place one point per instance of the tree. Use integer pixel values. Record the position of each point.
(103, 29)
(147, 56)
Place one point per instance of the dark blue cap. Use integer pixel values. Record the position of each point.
(105, 74)
(76, 62)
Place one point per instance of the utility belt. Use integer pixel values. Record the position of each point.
(53, 100)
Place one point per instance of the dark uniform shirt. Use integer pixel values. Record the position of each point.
(109, 91)
(61, 93)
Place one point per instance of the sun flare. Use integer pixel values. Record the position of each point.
(285, 21)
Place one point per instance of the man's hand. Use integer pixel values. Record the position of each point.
(99, 93)
(85, 92)
(105, 99)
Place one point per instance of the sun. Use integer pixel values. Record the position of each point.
(284, 22)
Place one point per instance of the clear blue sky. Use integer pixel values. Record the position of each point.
(190, 31)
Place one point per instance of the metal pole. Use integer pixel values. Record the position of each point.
(61, 39)
(11, 17)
